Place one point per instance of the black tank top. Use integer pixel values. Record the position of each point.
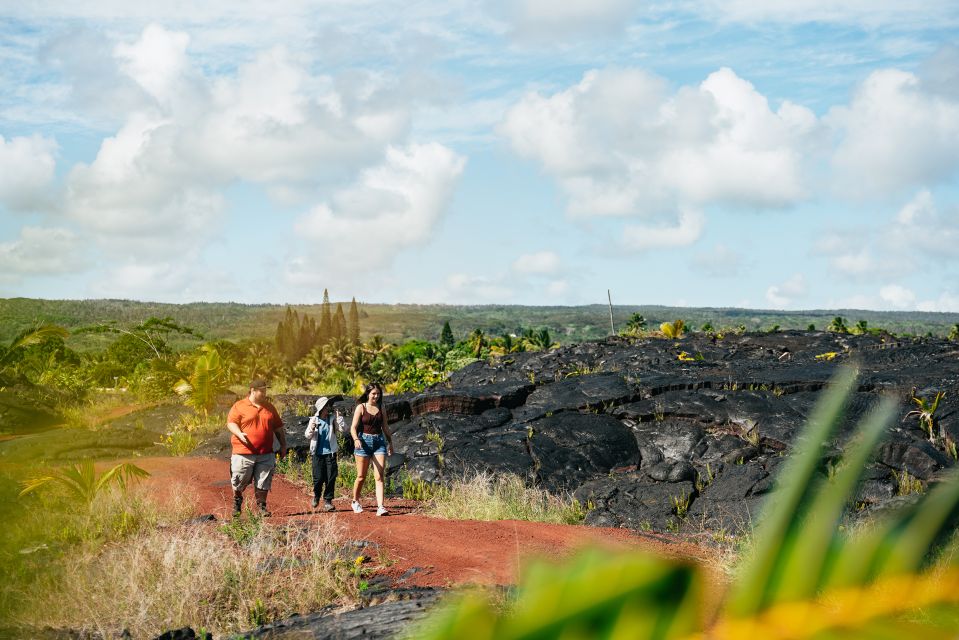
(371, 424)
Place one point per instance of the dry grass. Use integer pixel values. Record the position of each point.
(193, 576)
(487, 496)
(130, 562)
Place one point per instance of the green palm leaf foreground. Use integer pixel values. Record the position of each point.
(82, 482)
(804, 577)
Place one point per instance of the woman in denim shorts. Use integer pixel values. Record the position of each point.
(372, 440)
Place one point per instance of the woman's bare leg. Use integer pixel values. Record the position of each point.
(379, 466)
(362, 464)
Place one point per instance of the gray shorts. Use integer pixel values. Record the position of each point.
(257, 468)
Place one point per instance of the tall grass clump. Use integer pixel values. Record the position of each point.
(190, 430)
(488, 496)
(193, 576)
(804, 577)
(51, 527)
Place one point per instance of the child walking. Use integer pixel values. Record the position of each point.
(321, 431)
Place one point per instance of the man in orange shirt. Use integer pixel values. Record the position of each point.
(253, 421)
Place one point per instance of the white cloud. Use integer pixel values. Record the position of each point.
(546, 22)
(870, 13)
(157, 184)
(920, 235)
(618, 143)
(897, 296)
(157, 61)
(946, 302)
(539, 263)
(895, 134)
(392, 207)
(785, 294)
(26, 172)
(183, 280)
(684, 233)
(41, 251)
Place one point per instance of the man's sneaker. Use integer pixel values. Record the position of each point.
(382, 511)
(237, 506)
(328, 506)
(264, 511)
(357, 507)
(314, 502)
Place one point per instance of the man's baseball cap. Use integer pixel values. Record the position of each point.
(259, 383)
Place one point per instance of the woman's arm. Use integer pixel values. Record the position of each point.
(386, 430)
(356, 422)
(310, 428)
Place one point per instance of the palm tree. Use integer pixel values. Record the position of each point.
(838, 325)
(14, 350)
(635, 324)
(476, 342)
(954, 333)
(207, 380)
(861, 328)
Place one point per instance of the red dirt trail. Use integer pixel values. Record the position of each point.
(443, 552)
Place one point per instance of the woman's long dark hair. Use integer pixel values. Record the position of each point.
(366, 394)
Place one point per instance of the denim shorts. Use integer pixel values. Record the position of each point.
(373, 444)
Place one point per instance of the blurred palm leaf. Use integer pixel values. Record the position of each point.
(83, 483)
(804, 577)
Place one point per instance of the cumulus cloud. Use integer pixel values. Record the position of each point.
(920, 234)
(41, 251)
(542, 263)
(26, 172)
(393, 206)
(895, 134)
(619, 143)
(156, 185)
(785, 294)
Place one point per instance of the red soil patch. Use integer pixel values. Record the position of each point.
(442, 552)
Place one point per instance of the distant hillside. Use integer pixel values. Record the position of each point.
(405, 321)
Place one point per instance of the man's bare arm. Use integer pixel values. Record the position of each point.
(234, 428)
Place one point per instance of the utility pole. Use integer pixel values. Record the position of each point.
(612, 329)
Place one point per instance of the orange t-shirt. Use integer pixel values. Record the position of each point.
(258, 423)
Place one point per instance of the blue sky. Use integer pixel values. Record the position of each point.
(768, 154)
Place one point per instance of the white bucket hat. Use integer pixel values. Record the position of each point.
(321, 402)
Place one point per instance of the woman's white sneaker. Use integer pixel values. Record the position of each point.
(357, 507)
(382, 512)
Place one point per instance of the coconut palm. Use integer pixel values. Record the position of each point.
(476, 343)
(838, 325)
(926, 412)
